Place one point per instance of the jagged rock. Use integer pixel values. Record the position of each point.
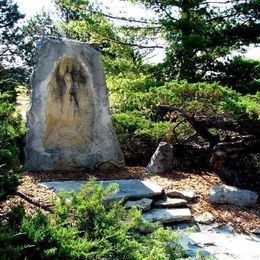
(69, 120)
(143, 204)
(187, 195)
(224, 194)
(205, 218)
(167, 215)
(128, 189)
(170, 203)
(161, 160)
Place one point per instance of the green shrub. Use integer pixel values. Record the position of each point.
(11, 131)
(83, 227)
(251, 104)
(142, 95)
(134, 102)
(139, 137)
(10, 78)
(238, 73)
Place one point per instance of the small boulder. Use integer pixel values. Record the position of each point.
(224, 194)
(161, 160)
(170, 203)
(187, 195)
(142, 204)
(204, 218)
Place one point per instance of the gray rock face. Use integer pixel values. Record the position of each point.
(187, 195)
(161, 160)
(128, 189)
(224, 194)
(142, 204)
(69, 121)
(167, 215)
(170, 203)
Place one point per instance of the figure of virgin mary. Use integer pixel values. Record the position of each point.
(69, 110)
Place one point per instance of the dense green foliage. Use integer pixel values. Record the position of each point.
(138, 122)
(11, 131)
(11, 125)
(239, 74)
(82, 227)
(10, 79)
(10, 37)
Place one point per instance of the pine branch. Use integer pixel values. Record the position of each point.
(129, 44)
(131, 20)
(34, 202)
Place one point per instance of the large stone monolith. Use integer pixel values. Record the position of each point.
(69, 120)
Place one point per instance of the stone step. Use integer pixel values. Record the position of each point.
(170, 203)
(187, 195)
(167, 215)
(128, 189)
(142, 204)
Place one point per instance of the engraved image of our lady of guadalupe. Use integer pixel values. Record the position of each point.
(69, 110)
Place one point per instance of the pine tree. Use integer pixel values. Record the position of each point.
(9, 31)
(198, 32)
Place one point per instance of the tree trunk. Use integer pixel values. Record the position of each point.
(235, 158)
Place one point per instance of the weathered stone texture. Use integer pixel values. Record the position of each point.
(167, 215)
(69, 121)
(170, 203)
(224, 194)
(161, 160)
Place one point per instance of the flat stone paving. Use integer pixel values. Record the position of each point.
(222, 246)
(218, 242)
(128, 189)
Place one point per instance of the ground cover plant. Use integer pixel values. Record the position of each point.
(81, 226)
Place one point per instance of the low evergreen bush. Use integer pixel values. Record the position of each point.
(84, 227)
(138, 121)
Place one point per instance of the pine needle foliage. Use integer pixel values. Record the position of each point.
(84, 226)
